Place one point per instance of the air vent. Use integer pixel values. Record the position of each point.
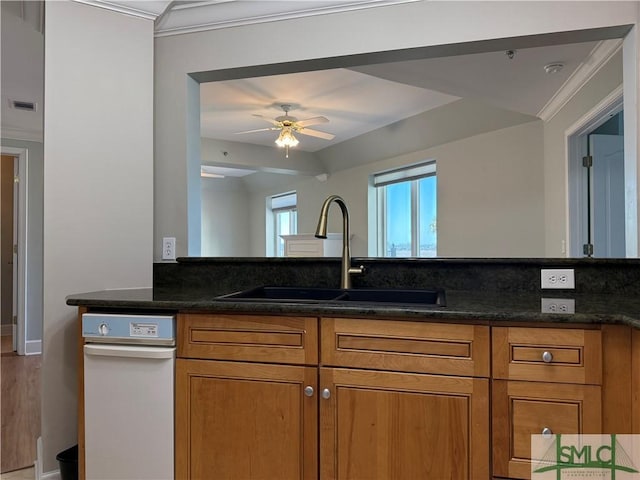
(26, 106)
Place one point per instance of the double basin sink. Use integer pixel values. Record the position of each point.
(431, 298)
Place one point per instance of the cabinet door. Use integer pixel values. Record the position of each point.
(521, 409)
(387, 425)
(245, 421)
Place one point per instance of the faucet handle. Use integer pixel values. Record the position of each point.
(359, 270)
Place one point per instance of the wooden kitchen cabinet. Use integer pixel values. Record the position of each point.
(238, 417)
(521, 409)
(545, 380)
(388, 425)
(403, 401)
(564, 355)
(245, 421)
(263, 397)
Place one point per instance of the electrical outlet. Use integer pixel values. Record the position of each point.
(169, 248)
(557, 278)
(558, 305)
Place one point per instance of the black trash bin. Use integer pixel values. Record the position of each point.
(68, 461)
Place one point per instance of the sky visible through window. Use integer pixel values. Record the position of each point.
(399, 217)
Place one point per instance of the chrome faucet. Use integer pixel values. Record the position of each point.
(321, 232)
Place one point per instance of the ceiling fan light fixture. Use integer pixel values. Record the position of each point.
(286, 138)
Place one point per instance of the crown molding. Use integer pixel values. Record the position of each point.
(198, 13)
(119, 8)
(598, 57)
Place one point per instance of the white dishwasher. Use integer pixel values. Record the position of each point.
(129, 365)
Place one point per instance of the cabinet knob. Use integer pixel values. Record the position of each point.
(308, 391)
(547, 357)
(326, 393)
(546, 432)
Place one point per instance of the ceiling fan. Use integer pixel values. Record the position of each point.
(288, 125)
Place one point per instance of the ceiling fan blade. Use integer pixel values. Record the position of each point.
(267, 119)
(258, 130)
(311, 121)
(316, 133)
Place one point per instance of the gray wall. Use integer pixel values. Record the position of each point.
(225, 223)
(419, 24)
(490, 201)
(608, 78)
(98, 184)
(35, 175)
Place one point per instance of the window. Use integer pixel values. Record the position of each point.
(285, 218)
(407, 211)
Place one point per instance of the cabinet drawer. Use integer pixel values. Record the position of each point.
(406, 346)
(547, 354)
(521, 409)
(252, 338)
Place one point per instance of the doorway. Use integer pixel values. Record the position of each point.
(19, 367)
(13, 246)
(596, 187)
(8, 251)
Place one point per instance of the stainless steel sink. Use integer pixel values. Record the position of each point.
(431, 297)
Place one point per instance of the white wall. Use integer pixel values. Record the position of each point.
(607, 79)
(489, 196)
(418, 24)
(490, 193)
(98, 184)
(22, 74)
(225, 223)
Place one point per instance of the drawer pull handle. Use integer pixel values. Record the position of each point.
(546, 432)
(326, 393)
(308, 391)
(547, 357)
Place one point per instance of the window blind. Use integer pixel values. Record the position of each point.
(404, 174)
(285, 200)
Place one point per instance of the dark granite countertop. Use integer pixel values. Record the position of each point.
(485, 306)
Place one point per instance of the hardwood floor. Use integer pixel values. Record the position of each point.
(6, 344)
(20, 400)
(24, 474)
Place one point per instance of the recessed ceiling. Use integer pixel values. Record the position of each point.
(353, 102)
(366, 98)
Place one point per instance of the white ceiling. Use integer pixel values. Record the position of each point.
(184, 16)
(354, 103)
(363, 99)
(355, 100)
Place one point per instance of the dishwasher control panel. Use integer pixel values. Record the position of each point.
(115, 328)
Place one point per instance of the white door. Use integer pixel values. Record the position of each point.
(607, 196)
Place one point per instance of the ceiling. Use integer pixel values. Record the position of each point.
(185, 16)
(355, 101)
(362, 99)
(344, 96)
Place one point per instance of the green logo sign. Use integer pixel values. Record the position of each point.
(583, 456)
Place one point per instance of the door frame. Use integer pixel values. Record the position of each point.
(575, 142)
(21, 209)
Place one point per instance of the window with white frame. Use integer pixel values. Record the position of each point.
(285, 218)
(407, 211)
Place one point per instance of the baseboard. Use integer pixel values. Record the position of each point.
(6, 329)
(33, 347)
(55, 475)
